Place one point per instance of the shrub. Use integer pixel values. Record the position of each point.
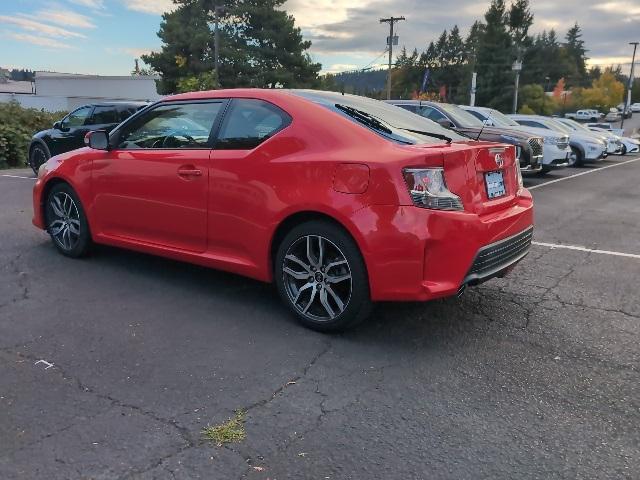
(17, 126)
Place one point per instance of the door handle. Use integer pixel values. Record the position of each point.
(189, 172)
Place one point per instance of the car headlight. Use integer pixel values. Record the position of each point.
(428, 189)
(42, 171)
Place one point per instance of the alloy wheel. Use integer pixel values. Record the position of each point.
(38, 157)
(317, 278)
(64, 225)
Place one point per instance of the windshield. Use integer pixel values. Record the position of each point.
(573, 124)
(558, 125)
(396, 121)
(460, 116)
(501, 120)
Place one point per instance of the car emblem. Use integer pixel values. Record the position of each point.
(499, 160)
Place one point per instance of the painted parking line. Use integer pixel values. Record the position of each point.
(595, 170)
(18, 176)
(585, 249)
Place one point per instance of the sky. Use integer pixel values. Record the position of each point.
(105, 36)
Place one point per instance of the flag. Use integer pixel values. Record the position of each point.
(443, 92)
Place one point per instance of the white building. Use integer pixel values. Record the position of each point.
(63, 91)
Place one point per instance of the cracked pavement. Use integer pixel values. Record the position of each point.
(530, 376)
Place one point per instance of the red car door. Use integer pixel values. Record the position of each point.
(152, 187)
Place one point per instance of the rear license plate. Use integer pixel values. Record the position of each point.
(495, 184)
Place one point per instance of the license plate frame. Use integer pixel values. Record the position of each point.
(494, 183)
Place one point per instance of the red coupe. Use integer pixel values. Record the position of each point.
(339, 199)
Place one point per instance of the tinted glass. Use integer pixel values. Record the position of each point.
(250, 122)
(125, 111)
(186, 125)
(459, 116)
(431, 113)
(78, 117)
(396, 119)
(478, 115)
(104, 115)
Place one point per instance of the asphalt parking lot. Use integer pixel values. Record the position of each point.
(531, 376)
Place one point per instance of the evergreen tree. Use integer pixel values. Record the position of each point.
(260, 45)
(576, 51)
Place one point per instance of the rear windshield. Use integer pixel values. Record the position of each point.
(395, 119)
(460, 116)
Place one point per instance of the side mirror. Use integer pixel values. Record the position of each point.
(445, 122)
(98, 140)
(57, 126)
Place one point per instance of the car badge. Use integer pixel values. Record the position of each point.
(499, 160)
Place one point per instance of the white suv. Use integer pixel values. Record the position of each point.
(555, 149)
(585, 147)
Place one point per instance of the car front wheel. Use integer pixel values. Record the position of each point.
(66, 221)
(37, 156)
(321, 276)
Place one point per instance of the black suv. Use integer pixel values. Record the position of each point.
(68, 133)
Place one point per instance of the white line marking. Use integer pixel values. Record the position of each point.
(583, 173)
(17, 176)
(585, 249)
(48, 364)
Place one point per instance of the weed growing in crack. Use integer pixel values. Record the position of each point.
(231, 431)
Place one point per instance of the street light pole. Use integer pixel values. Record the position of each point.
(627, 101)
(390, 40)
(516, 67)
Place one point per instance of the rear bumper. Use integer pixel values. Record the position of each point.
(417, 254)
(38, 217)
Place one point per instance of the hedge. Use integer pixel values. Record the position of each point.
(17, 126)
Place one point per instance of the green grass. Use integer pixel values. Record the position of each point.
(231, 431)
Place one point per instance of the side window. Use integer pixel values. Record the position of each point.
(530, 123)
(411, 108)
(431, 114)
(103, 115)
(478, 115)
(77, 118)
(172, 125)
(250, 122)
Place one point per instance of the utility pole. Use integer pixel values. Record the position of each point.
(627, 101)
(516, 67)
(217, 11)
(390, 42)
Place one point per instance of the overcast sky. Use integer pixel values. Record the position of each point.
(104, 36)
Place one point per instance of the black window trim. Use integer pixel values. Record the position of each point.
(114, 137)
(93, 112)
(226, 115)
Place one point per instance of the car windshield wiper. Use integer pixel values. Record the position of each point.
(364, 118)
(377, 123)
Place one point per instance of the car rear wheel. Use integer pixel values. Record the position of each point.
(66, 221)
(37, 156)
(321, 276)
(575, 158)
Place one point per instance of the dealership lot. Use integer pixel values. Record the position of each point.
(111, 366)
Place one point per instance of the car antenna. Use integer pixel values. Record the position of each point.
(483, 125)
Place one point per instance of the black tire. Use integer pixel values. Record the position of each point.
(624, 150)
(579, 158)
(544, 170)
(64, 216)
(320, 274)
(38, 154)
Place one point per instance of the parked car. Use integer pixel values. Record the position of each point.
(68, 133)
(585, 147)
(340, 200)
(608, 127)
(585, 115)
(613, 115)
(555, 148)
(529, 147)
(628, 144)
(613, 143)
(635, 107)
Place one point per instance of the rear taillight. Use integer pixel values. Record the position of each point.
(428, 189)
